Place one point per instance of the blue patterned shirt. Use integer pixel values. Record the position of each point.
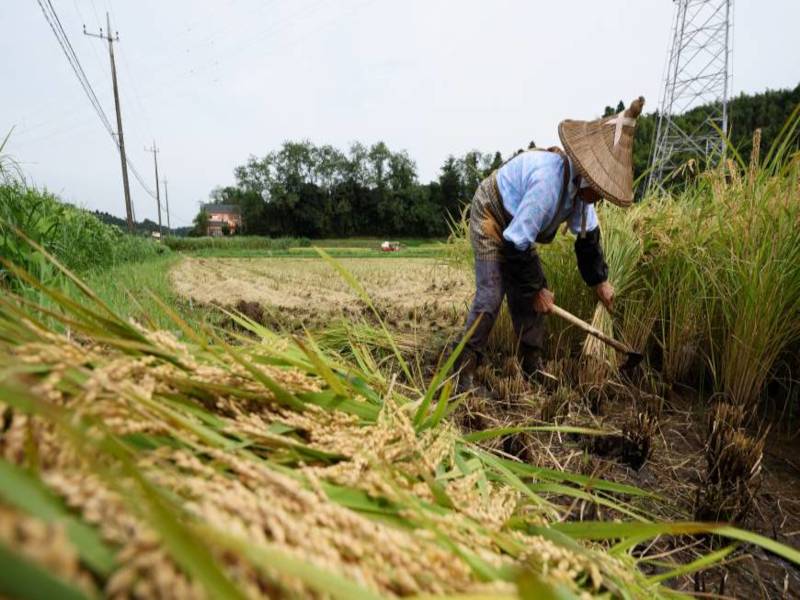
(530, 185)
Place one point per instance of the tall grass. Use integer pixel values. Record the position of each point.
(75, 236)
(9, 169)
(623, 251)
(139, 291)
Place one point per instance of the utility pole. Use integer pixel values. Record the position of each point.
(166, 199)
(155, 151)
(120, 140)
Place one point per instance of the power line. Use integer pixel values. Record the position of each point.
(96, 16)
(51, 16)
(83, 20)
(66, 47)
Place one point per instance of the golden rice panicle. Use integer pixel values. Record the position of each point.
(46, 545)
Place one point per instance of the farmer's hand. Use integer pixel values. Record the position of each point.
(543, 301)
(605, 293)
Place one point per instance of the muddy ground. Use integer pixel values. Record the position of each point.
(658, 445)
(669, 460)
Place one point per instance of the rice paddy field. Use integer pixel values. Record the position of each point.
(245, 424)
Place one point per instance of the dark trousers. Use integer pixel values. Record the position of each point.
(493, 282)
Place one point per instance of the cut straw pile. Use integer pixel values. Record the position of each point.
(228, 463)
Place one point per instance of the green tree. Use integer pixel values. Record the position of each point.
(201, 223)
(451, 187)
(497, 162)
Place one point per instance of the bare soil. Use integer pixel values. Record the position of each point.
(675, 469)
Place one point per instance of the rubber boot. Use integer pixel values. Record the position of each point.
(467, 365)
(533, 367)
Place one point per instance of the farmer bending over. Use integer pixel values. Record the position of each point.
(522, 204)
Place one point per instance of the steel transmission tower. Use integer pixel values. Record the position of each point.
(698, 73)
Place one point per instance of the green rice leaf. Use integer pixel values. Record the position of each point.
(281, 395)
(526, 470)
(533, 586)
(441, 406)
(609, 531)
(362, 293)
(322, 369)
(701, 563)
(330, 400)
(439, 492)
(487, 434)
(505, 475)
(270, 560)
(143, 497)
(565, 490)
(440, 376)
(482, 569)
(26, 580)
(21, 489)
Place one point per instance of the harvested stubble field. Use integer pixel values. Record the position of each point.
(310, 292)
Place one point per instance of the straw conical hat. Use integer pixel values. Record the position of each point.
(602, 151)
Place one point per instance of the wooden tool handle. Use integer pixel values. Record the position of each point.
(570, 318)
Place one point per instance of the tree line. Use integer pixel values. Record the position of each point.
(145, 227)
(313, 191)
(306, 190)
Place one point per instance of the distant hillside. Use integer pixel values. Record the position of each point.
(146, 226)
(747, 112)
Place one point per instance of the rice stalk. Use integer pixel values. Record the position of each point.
(623, 250)
(733, 475)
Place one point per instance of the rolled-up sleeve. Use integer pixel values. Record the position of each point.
(537, 207)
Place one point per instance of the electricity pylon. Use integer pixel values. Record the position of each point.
(698, 74)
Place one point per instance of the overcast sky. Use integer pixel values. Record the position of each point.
(216, 81)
